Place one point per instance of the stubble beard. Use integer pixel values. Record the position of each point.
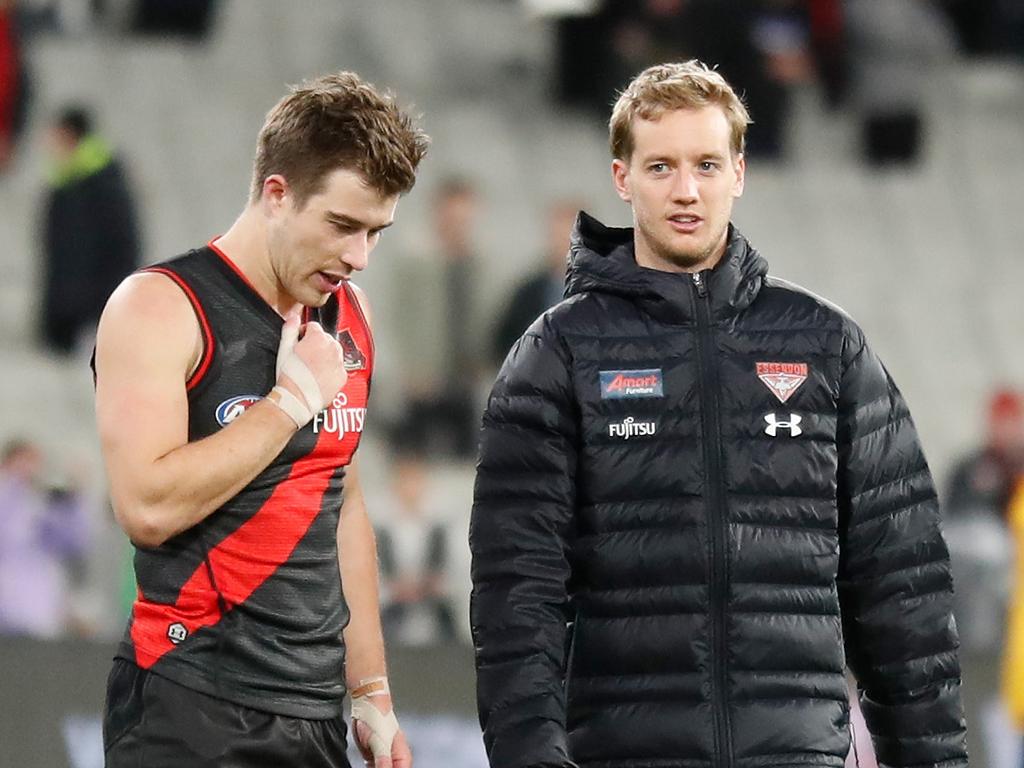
(685, 260)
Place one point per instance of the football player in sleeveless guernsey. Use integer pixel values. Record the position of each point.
(231, 393)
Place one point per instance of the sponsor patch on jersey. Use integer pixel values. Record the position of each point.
(647, 382)
(783, 379)
(234, 407)
(339, 418)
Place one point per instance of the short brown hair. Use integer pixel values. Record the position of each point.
(666, 87)
(338, 121)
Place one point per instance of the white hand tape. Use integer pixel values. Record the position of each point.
(292, 406)
(292, 366)
(299, 372)
(383, 728)
(289, 338)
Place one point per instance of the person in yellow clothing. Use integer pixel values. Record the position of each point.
(1013, 654)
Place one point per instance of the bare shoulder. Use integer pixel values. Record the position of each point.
(147, 293)
(148, 318)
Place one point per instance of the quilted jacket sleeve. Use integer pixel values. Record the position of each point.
(895, 584)
(522, 510)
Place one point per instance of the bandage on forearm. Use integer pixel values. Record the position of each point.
(372, 686)
(292, 406)
(383, 727)
(299, 409)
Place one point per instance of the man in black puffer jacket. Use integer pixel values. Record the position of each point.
(700, 497)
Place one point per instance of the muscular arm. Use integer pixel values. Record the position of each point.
(357, 555)
(160, 484)
(364, 640)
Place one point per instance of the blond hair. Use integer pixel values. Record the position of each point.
(667, 87)
(338, 121)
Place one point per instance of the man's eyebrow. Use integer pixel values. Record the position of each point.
(349, 221)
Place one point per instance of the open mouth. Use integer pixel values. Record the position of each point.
(329, 282)
(685, 222)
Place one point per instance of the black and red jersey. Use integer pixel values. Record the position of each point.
(247, 605)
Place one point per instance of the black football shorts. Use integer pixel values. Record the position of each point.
(151, 722)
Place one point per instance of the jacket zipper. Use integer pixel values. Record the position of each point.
(712, 432)
(570, 654)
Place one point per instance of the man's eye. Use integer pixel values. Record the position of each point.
(659, 167)
(708, 166)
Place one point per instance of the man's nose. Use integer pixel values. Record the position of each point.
(686, 187)
(357, 251)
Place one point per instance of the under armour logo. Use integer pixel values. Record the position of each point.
(177, 633)
(793, 425)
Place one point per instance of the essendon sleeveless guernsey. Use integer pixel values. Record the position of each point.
(247, 605)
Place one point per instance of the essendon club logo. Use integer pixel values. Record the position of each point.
(355, 360)
(783, 379)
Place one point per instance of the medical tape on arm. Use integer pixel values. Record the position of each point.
(383, 728)
(298, 411)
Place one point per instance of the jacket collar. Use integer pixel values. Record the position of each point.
(602, 259)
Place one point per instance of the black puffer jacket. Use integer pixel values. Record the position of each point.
(668, 520)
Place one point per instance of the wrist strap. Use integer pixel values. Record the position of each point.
(292, 406)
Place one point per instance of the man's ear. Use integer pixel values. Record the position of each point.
(741, 174)
(275, 192)
(620, 178)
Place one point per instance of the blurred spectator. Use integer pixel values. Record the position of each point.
(90, 237)
(440, 351)
(43, 534)
(781, 58)
(542, 289)
(1013, 656)
(412, 547)
(763, 46)
(976, 505)
(14, 82)
(986, 27)
(189, 19)
(828, 42)
(982, 481)
(894, 47)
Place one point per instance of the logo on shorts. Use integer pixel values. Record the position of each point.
(616, 385)
(234, 407)
(630, 427)
(783, 379)
(176, 633)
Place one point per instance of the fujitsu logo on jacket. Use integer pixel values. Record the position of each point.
(630, 427)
